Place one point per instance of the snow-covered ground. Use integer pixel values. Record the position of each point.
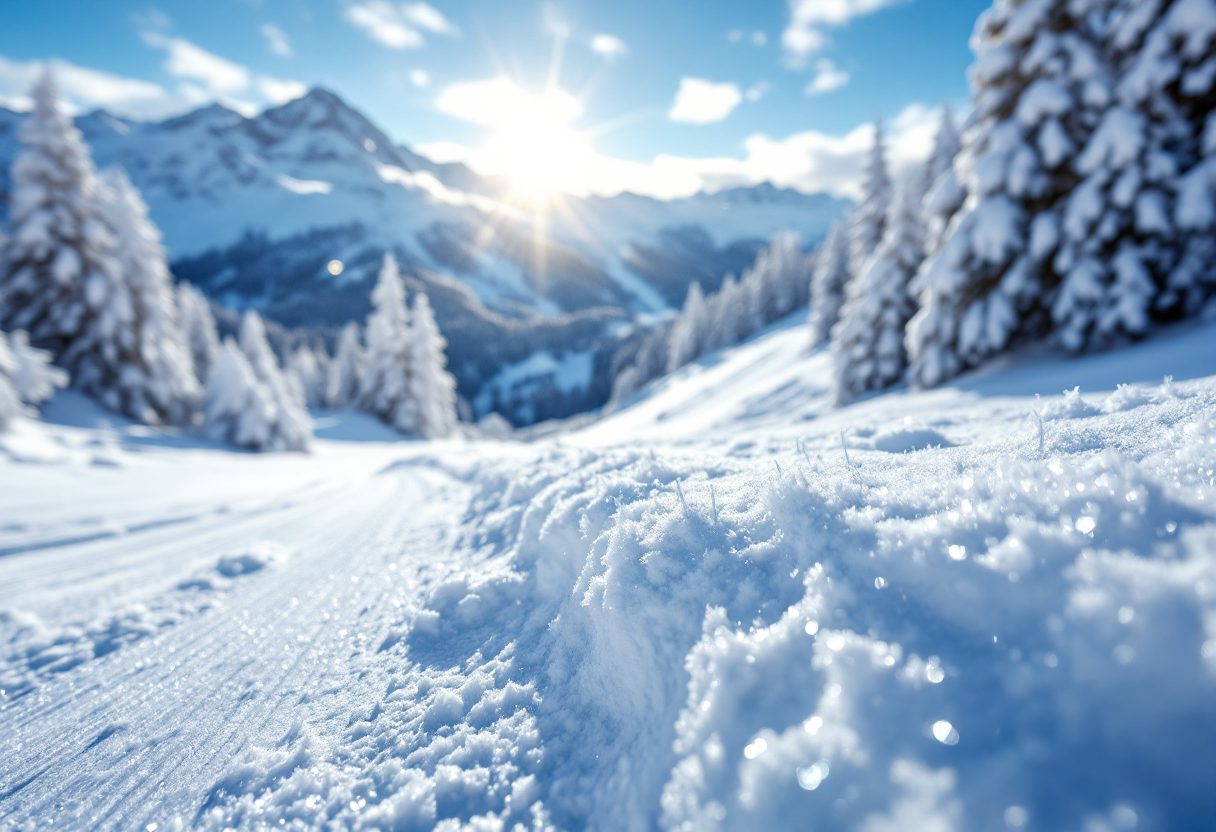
(727, 606)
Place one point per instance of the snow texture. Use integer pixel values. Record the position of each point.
(701, 613)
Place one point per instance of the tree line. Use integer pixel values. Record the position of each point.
(88, 299)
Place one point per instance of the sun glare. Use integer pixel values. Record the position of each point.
(531, 139)
(534, 146)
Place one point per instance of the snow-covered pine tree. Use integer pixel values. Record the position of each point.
(828, 283)
(290, 427)
(82, 275)
(138, 361)
(758, 293)
(385, 389)
(345, 375)
(730, 321)
(61, 242)
(1121, 239)
(308, 368)
(688, 332)
(26, 377)
(868, 341)
(869, 218)
(1039, 86)
(789, 272)
(199, 327)
(432, 387)
(237, 408)
(649, 362)
(943, 193)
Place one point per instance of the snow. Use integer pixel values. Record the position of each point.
(303, 186)
(727, 606)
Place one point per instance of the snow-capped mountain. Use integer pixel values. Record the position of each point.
(254, 209)
(317, 168)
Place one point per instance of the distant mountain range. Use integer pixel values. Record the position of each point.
(253, 210)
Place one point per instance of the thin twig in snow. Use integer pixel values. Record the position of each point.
(1038, 417)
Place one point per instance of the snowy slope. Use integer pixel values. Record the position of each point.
(999, 612)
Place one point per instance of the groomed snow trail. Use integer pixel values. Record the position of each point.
(997, 612)
(147, 663)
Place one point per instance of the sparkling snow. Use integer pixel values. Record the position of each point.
(727, 606)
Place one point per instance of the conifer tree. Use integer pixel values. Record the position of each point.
(345, 375)
(688, 333)
(138, 362)
(26, 377)
(868, 341)
(828, 283)
(237, 408)
(1039, 85)
(729, 319)
(432, 387)
(85, 275)
(385, 389)
(869, 218)
(789, 274)
(308, 368)
(1130, 217)
(58, 264)
(943, 193)
(289, 426)
(198, 325)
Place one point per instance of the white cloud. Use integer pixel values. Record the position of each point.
(276, 40)
(703, 102)
(734, 35)
(219, 76)
(399, 27)
(203, 78)
(808, 18)
(499, 102)
(420, 78)
(86, 89)
(381, 21)
(759, 38)
(609, 46)
(828, 77)
(280, 91)
(429, 18)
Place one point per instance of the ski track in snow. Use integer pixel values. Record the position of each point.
(694, 614)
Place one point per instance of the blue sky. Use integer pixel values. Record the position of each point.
(662, 96)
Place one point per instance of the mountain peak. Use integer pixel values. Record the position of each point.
(212, 115)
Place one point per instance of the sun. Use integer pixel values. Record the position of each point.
(539, 159)
(534, 146)
(530, 136)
